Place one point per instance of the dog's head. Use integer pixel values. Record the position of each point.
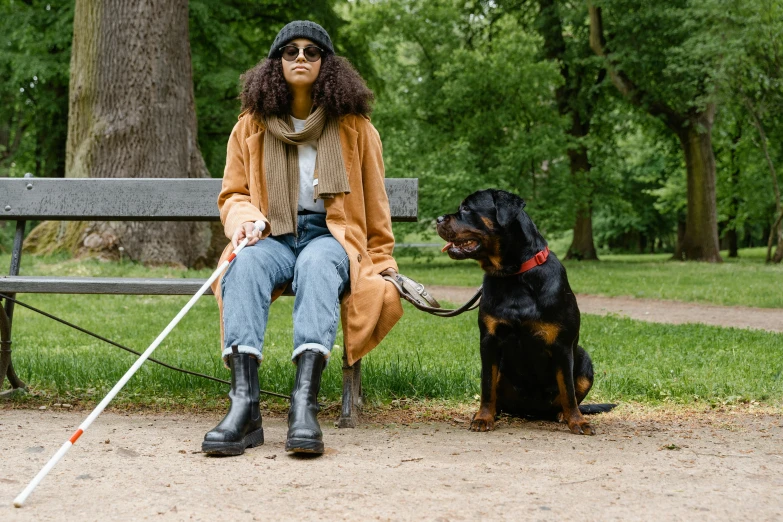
(488, 226)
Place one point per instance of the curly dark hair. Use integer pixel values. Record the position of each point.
(339, 89)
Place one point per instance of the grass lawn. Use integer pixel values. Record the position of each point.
(424, 356)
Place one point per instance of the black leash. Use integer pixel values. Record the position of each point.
(415, 293)
(118, 345)
(472, 304)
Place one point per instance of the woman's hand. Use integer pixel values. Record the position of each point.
(248, 230)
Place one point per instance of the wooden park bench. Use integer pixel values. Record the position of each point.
(128, 199)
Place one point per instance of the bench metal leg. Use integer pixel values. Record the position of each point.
(6, 315)
(6, 366)
(352, 393)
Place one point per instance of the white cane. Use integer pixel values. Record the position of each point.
(19, 501)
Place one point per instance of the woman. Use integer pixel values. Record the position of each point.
(306, 161)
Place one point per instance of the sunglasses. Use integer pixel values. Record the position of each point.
(311, 53)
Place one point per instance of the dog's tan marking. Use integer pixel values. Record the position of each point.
(488, 223)
(562, 399)
(493, 395)
(484, 419)
(493, 262)
(571, 414)
(492, 323)
(546, 331)
(582, 385)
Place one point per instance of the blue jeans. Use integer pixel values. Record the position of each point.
(313, 262)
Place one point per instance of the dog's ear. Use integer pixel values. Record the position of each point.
(508, 206)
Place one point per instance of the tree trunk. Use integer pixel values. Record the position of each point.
(731, 233)
(132, 114)
(550, 26)
(694, 130)
(582, 245)
(731, 238)
(700, 242)
(680, 238)
(776, 230)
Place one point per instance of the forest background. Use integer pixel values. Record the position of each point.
(627, 125)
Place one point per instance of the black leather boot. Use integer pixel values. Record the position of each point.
(304, 433)
(241, 427)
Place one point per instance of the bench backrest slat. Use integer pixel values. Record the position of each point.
(144, 199)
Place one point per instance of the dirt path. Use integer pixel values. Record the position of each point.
(640, 466)
(653, 310)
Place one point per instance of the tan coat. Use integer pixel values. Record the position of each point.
(360, 221)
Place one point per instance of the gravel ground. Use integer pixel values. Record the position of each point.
(642, 465)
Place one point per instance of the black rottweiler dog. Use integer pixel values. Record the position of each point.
(531, 361)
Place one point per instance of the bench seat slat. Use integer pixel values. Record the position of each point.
(99, 285)
(145, 199)
(103, 285)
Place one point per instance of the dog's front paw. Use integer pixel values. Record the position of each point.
(581, 427)
(482, 421)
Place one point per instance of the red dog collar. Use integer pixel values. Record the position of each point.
(538, 259)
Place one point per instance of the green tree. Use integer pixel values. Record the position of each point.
(657, 58)
(641, 194)
(751, 32)
(466, 103)
(131, 114)
(566, 42)
(746, 203)
(34, 56)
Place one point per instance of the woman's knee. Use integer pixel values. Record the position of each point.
(324, 256)
(255, 268)
(243, 271)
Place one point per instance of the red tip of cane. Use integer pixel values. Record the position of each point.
(76, 436)
(231, 257)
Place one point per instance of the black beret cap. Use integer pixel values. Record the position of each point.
(302, 29)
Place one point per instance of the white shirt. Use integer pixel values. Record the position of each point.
(307, 154)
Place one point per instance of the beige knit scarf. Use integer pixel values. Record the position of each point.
(281, 164)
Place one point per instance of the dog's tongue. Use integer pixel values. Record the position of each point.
(447, 246)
